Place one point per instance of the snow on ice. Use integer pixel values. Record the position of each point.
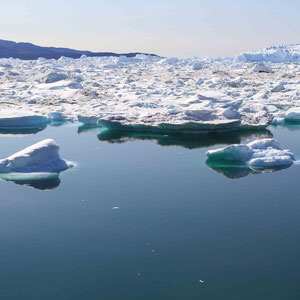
(265, 153)
(40, 157)
(154, 94)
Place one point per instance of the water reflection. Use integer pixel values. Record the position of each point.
(57, 123)
(290, 126)
(39, 181)
(88, 128)
(189, 141)
(21, 130)
(236, 171)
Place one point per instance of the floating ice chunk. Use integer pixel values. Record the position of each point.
(253, 119)
(293, 115)
(264, 144)
(231, 113)
(199, 81)
(271, 158)
(278, 88)
(54, 77)
(278, 121)
(88, 120)
(180, 126)
(75, 85)
(234, 153)
(40, 157)
(265, 153)
(271, 162)
(57, 116)
(262, 68)
(170, 61)
(197, 66)
(290, 116)
(17, 118)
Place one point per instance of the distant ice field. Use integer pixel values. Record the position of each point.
(154, 94)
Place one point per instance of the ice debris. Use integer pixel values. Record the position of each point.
(40, 157)
(154, 93)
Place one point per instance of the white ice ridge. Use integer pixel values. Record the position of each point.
(265, 153)
(274, 54)
(150, 93)
(40, 157)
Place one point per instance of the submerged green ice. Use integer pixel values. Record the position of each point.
(144, 217)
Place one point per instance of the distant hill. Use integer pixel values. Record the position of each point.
(28, 51)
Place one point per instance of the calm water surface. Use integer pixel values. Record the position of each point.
(146, 218)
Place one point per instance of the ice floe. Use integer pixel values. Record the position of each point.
(40, 157)
(21, 119)
(259, 154)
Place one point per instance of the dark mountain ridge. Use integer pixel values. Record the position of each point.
(28, 51)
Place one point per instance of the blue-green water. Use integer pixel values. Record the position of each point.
(175, 222)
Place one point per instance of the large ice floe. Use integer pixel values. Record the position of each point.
(254, 157)
(42, 157)
(152, 94)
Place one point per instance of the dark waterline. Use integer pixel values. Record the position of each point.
(175, 222)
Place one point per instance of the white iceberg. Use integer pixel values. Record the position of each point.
(265, 153)
(274, 54)
(40, 157)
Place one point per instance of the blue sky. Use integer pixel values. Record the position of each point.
(172, 28)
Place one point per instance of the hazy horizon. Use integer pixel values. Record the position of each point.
(193, 28)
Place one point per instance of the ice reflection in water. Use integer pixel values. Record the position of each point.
(189, 141)
(39, 181)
